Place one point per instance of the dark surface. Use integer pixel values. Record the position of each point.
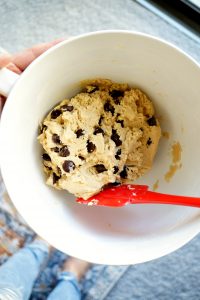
(183, 11)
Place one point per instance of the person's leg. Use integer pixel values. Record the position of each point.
(17, 274)
(67, 286)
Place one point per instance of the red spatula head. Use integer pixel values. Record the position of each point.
(117, 196)
(132, 194)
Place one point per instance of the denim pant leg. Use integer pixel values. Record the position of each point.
(18, 273)
(67, 288)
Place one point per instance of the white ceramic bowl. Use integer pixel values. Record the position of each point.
(127, 235)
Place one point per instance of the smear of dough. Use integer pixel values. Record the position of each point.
(156, 185)
(165, 134)
(176, 152)
(172, 170)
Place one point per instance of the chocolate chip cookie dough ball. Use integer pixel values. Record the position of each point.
(108, 133)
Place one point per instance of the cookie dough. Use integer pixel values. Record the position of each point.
(107, 133)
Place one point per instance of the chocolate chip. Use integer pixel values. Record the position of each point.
(121, 122)
(64, 151)
(137, 102)
(118, 153)
(116, 169)
(117, 101)
(115, 94)
(67, 107)
(95, 88)
(90, 147)
(46, 157)
(48, 168)
(98, 130)
(55, 149)
(152, 121)
(116, 183)
(108, 107)
(100, 168)
(56, 138)
(149, 142)
(68, 166)
(123, 173)
(100, 120)
(115, 138)
(111, 184)
(81, 157)
(59, 170)
(43, 128)
(55, 178)
(55, 113)
(80, 132)
(141, 129)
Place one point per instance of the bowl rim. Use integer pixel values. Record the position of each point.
(102, 260)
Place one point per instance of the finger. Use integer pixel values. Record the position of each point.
(5, 59)
(39, 49)
(23, 59)
(12, 67)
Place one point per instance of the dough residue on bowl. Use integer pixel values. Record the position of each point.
(107, 133)
(176, 151)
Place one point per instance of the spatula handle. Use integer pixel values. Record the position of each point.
(153, 197)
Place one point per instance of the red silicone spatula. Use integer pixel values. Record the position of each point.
(136, 194)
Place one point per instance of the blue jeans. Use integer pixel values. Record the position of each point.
(18, 274)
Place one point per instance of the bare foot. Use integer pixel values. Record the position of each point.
(76, 266)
